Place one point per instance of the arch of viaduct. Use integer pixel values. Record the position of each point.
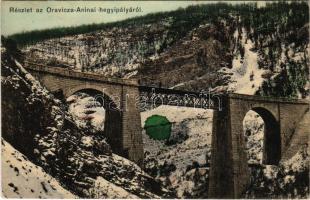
(286, 128)
(286, 125)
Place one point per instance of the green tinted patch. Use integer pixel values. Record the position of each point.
(158, 127)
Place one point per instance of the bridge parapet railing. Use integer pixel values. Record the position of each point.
(153, 97)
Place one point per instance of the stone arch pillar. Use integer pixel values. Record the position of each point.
(229, 173)
(131, 124)
(123, 121)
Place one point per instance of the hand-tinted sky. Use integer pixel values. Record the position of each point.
(17, 22)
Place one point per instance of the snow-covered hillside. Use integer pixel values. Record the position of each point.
(253, 127)
(288, 180)
(86, 111)
(190, 139)
(246, 49)
(23, 179)
(179, 160)
(80, 159)
(246, 77)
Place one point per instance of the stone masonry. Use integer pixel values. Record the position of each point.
(123, 128)
(229, 174)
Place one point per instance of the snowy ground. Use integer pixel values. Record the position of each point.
(246, 77)
(288, 180)
(86, 111)
(23, 179)
(104, 188)
(190, 142)
(253, 127)
(191, 129)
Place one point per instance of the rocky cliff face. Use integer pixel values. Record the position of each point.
(288, 180)
(39, 126)
(241, 48)
(150, 52)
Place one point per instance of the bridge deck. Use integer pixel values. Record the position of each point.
(268, 99)
(78, 75)
(193, 98)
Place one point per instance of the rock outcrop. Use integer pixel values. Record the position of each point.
(230, 48)
(39, 126)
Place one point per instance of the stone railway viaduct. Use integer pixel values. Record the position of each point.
(286, 124)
